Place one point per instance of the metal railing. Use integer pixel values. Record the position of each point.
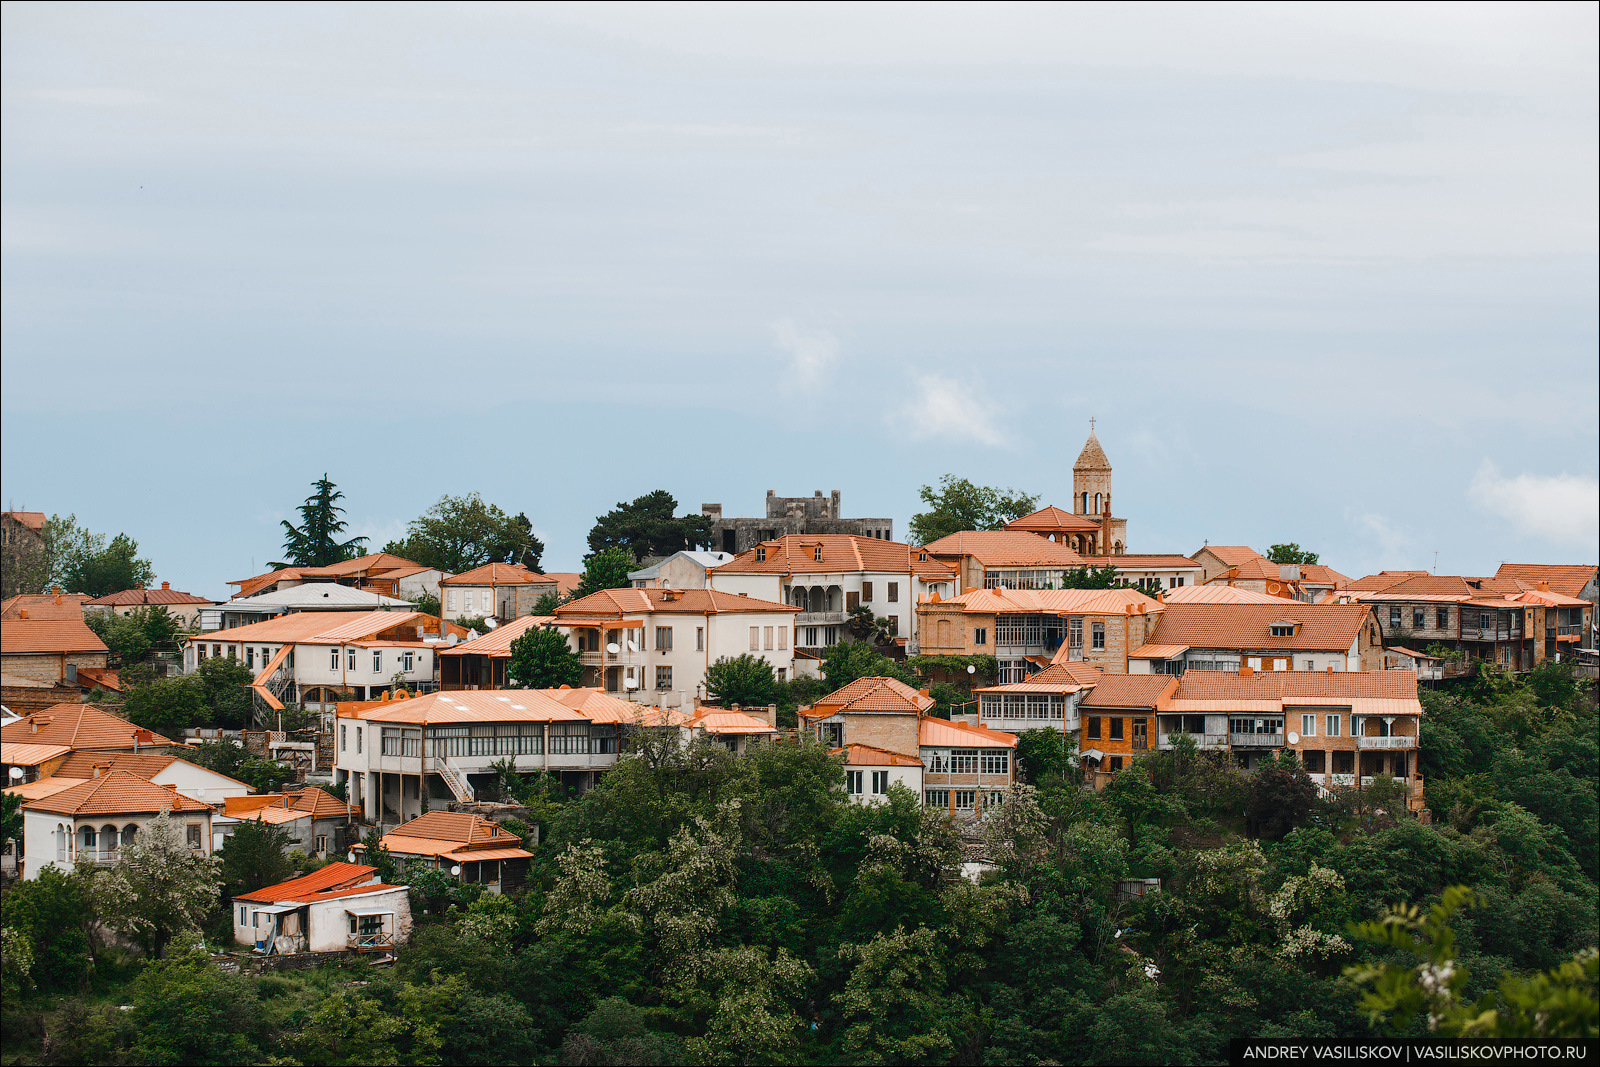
(1237, 740)
(1393, 741)
(1200, 740)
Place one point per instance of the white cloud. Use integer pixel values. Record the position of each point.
(1562, 508)
(1392, 542)
(945, 408)
(811, 354)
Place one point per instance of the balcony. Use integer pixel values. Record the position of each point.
(1395, 741)
(371, 942)
(1201, 741)
(820, 618)
(1256, 740)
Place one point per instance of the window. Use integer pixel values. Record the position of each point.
(1280, 664)
(755, 639)
(1394, 617)
(343, 732)
(866, 591)
(322, 842)
(1441, 618)
(244, 915)
(450, 600)
(980, 635)
(1418, 618)
(1310, 665)
(880, 782)
(663, 677)
(783, 674)
(830, 635)
(995, 761)
(233, 652)
(1116, 729)
(377, 661)
(1100, 636)
(1180, 582)
(766, 638)
(966, 799)
(783, 638)
(216, 650)
(963, 761)
(852, 783)
(250, 656)
(1308, 726)
(1485, 621)
(936, 798)
(816, 554)
(811, 636)
(349, 659)
(333, 659)
(1075, 638)
(761, 554)
(358, 740)
(1314, 760)
(663, 639)
(1283, 629)
(699, 638)
(195, 838)
(1333, 725)
(894, 592)
(1091, 728)
(1116, 764)
(410, 660)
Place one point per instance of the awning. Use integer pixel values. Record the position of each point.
(369, 911)
(475, 855)
(1092, 753)
(274, 909)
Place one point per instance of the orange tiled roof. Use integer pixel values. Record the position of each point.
(597, 706)
(873, 694)
(116, 793)
(1568, 578)
(1390, 689)
(372, 565)
(1231, 555)
(1318, 626)
(1318, 574)
(1376, 583)
(1119, 601)
(498, 574)
(33, 520)
(438, 833)
(858, 755)
(1218, 594)
(332, 879)
(77, 726)
(566, 581)
(796, 554)
(496, 642)
(1008, 548)
(941, 733)
(621, 602)
(44, 606)
(82, 763)
(33, 636)
(1130, 691)
(1051, 518)
(128, 598)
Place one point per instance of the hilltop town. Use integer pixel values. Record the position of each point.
(757, 788)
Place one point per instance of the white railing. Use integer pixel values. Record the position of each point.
(1256, 740)
(453, 777)
(1200, 740)
(1395, 741)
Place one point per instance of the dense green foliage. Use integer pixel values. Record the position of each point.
(542, 659)
(649, 527)
(698, 907)
(744, 680)
(69, 557)
(462, 532)
(130, 637)
(959, 505)
(315, 542)
(1290, 553)
(605, 569)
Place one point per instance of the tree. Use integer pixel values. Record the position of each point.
(227, 691)
(46, 913)
(542, 659)
(376, 854)
(188, 1012)
(1091, 577)
(960, 505)
(159, 887)
(1290, 553)
(606, 569)
(846, 661)
(226, 756)
(1281, 796)
(69, 556)
(648, 527)
(744, 680)
(110, 569)
(124, 637)
(462, 532)
(10, 817)
(315, 542)
(547, 604)
(254, 856)
(169, 705)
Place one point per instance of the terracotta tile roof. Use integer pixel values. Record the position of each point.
(372, 565)
(82, 763)
(31, 636)
(873, 694)
(1121, 601)
(44, 606)
(498, 574)
(438, 833)
(1442, 587)
(1383, 580)
(566, 581)
(1568, 578)
(116, 793)
(1409, 653)
(1231, 555)
(333, 878)
(1093, 457)
(941, 733)
(1130, 691)
(1372, 692)
(33, 520)
(841, 553)
(1052, 518)
(621, 602)
(724, 721)
(1318, 626)
(465, 706)
(77, 726)
(1007, 548)
(1148, 561)
(128, 598)
(596, 706)
(1317, 574)
(1217, 594)
(871, 756)
(29, 754)
(297, 804)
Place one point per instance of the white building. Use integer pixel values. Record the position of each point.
(827, 576)
(500, 591)
(343, 906)
(681, 570)
(308, 596)
(93, 820)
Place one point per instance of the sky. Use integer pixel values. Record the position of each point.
(1320, 273)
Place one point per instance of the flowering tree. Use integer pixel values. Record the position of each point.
(159, 886)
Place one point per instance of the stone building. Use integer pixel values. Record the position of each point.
(814, 514)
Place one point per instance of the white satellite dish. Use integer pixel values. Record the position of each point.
(631, 646)
(971, 669)
(491, 622)
(632, 683)
(1294, 738)
(17, 772)
(452, 639)
(613, 648)
(455, 870)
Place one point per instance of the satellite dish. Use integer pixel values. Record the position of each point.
(350, 857)
(491, 622)
(972, 669)
(631, 646)
(632, 683)
(1294, 738)
(16, 772)
(613, 648)
(452, 639)
(456, 869)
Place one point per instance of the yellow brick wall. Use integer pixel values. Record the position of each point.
(896, 733)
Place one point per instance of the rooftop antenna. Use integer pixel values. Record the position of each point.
(1436, 561)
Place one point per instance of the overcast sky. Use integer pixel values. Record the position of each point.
(1323, 274)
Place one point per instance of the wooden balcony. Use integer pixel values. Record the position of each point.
(1391, 742)
(1255, 740)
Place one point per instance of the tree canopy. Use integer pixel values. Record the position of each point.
(315, 542)
(649, 527)
(542, 659)
(459, 533)
(959, 505)
(744, 680)
(1290, 553)
(606, 569)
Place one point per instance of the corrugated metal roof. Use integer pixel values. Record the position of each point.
(941, 733)
(480, 855)
(858, 755)
(1158, 651)
(333, 877)
(29, 754)
(1121, 601)
(465, 706)
(1218, 594)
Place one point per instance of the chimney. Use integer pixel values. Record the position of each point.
(58, 598)
(1544, 587)
(166, 585)
(56, 589)
(922, 692)
(34, 723)
(1246, 671)
(22, 613)
(1233, 572)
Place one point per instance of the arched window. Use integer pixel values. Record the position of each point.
(86, 838)
(1097, 503)
(1085, 508)
(128, 833)
(108, 836)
